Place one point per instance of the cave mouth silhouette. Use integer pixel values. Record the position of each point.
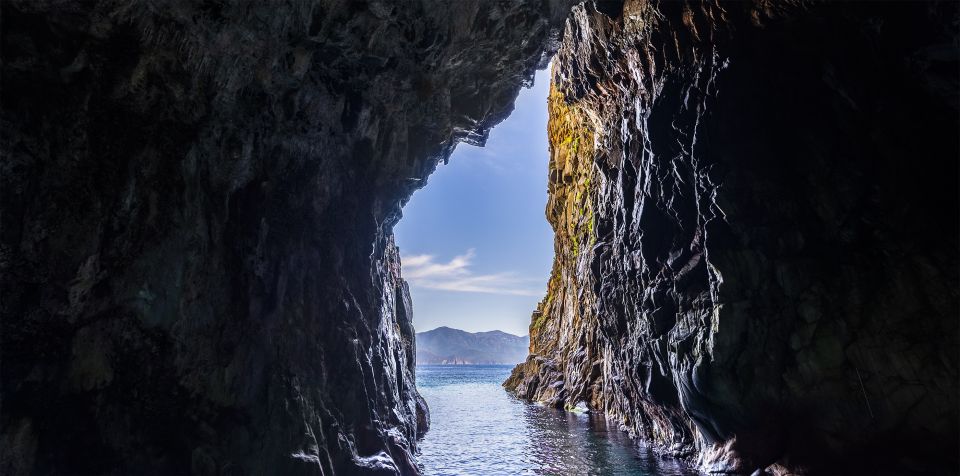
(198, 269)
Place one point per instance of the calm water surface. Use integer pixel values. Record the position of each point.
(478, 428)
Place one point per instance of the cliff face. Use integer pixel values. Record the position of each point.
(756, 232)
(563, 366)
(196, 267)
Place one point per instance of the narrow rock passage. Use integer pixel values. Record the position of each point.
(755, 205)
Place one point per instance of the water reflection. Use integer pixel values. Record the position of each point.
(563, 443)
(478, 428)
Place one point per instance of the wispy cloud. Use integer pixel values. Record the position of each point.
(455, 275)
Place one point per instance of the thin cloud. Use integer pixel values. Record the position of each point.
(455, 275)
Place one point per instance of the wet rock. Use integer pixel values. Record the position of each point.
(756, 232)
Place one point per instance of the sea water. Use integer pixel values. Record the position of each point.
(478, 428)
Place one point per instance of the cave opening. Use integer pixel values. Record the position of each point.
(475, 247)
(477, 251)
(754, 257)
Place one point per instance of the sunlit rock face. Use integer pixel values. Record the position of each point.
(756, 217)
(563, 367)
(197, 265)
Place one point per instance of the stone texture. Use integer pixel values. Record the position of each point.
(756, 231)
(196, 259)
(755, 206)
(563, 366)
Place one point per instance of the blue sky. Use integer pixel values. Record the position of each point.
(475, 245)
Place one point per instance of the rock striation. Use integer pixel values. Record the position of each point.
(196, 206)
(755, 206)
(756, 233)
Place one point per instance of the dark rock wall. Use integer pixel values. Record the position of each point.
(196, 267)
(769, 195)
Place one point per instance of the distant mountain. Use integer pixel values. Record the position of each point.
(444, 345)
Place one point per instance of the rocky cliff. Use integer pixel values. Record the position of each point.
(196, 261)
(755, 206)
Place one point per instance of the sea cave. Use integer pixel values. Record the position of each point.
(754, 208)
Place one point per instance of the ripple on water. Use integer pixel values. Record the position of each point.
(478, 428)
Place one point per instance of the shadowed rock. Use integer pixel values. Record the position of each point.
(197, 267)
(756, 217)
(755, 206)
